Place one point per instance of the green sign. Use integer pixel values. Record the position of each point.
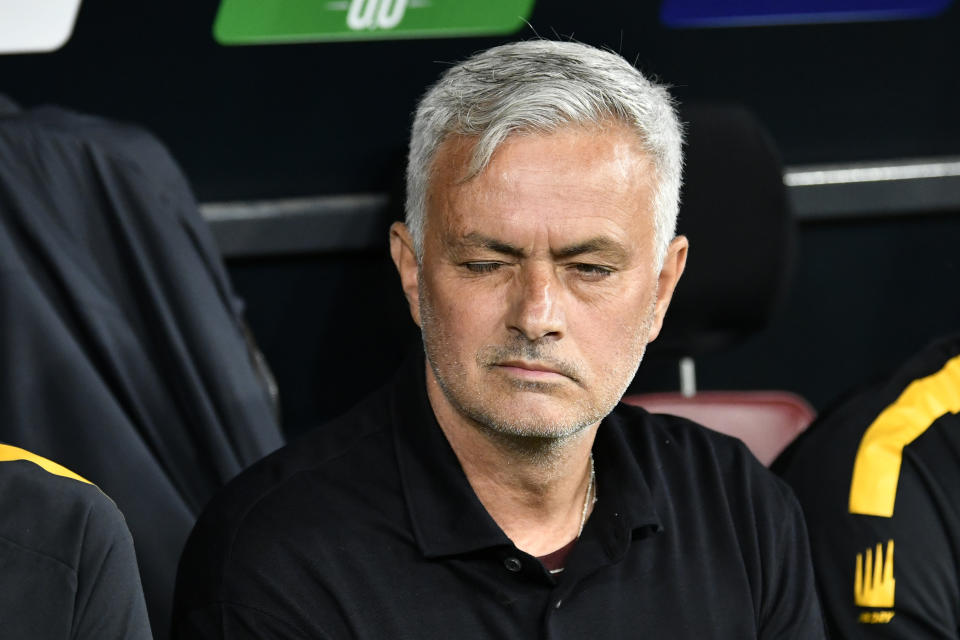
(279, 21)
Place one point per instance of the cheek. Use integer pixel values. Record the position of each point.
(616, 329)
(463, 317)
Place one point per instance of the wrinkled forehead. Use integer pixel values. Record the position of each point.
(459, 158)
(573, 181)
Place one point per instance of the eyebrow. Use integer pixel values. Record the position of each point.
(480, 241)
(598, 244)
(593, 245)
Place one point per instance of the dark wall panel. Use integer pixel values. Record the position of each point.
(283, 120)
(332, 327)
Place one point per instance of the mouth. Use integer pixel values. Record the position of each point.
(531, 370)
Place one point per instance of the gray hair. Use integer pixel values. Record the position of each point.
(539, 86)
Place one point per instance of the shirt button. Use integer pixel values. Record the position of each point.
(512, 564)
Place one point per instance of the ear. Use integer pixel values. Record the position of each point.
(673, 265)
(405, 259)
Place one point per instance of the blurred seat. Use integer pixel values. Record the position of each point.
(123, 351)
(735, 212)
(767, 421)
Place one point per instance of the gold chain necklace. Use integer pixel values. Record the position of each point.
(586, 499)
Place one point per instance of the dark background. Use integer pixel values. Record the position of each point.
(316, 119)
(307, 119)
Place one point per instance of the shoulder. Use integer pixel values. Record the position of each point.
(77, 137)
(885, 415)
(344, 447)
(52, 511)
(68, 126)
(716, 501)
(69, 568)
(694, 470)
(331, 469)
(684, 446)
(293, 511)
(710, 493)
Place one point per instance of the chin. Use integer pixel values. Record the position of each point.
(533, 420)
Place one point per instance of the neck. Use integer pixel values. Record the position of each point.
(534, 488)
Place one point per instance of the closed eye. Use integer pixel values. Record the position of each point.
(592, 271)
(482, 267)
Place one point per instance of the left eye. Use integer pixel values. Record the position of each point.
(593, 270)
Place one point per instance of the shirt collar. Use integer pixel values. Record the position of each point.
(625, 506)
(447, 517)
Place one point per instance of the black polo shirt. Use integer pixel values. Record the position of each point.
(67, 567)
(368, 528)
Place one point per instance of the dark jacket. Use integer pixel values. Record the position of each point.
(122, 347)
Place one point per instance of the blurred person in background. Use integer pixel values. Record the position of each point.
(878, 477)
(67, 565)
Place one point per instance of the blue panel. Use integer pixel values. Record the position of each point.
(731, 13)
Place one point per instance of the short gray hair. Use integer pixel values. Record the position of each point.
(539, 86)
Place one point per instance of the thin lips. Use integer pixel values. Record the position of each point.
(530, 366)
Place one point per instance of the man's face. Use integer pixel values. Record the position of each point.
(538, 289)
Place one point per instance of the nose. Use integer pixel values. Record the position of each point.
(535, 310)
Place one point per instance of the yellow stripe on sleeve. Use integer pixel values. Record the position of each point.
(876, 470)
(9, 454)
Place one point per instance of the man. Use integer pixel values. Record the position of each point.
(67, 567)
(490, 492)
(878, 478)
